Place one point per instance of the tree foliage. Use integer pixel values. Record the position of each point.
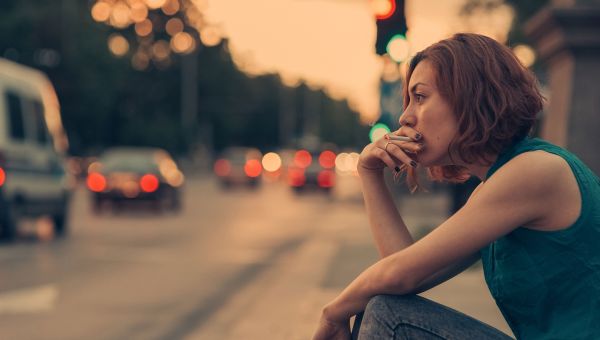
(106, 102)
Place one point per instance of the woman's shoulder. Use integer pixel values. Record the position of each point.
(535, 167)
(547, 179)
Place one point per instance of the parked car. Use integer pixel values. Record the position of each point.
(135, 174)
(313, 169)
(33, 145)
(239, 166)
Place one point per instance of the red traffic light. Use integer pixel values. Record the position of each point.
(383, 9)
(390, 22)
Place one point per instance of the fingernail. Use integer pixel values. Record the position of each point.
(413, 164)
(397, 169)
(418, 136)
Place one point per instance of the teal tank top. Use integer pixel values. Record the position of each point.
(547, 284)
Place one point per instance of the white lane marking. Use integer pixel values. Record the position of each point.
(29, 300)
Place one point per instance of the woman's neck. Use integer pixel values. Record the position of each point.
(480, 170)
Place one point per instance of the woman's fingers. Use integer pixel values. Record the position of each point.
(399, 152)
(408, 131)
(384, 155)
(391, 153)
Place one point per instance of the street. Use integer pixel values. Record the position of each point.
(241, 263)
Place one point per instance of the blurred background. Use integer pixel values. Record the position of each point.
(186, 169)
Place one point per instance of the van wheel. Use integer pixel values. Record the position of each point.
(60, 224)
(8, 224)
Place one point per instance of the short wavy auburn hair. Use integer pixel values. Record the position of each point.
(495, 99)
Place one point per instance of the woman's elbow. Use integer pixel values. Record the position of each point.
(399, 282)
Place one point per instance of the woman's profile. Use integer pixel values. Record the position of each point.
(534, 220)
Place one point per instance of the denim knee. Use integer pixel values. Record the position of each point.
(390, 304)
(381, 315)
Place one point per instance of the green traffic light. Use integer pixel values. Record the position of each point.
(398, 48)
(378, 131)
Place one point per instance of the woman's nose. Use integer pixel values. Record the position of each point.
(406, 118)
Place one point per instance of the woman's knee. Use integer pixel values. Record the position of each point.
(384, 310)
(390, 304)
(383, 314)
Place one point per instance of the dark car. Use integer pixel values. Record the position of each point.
(239, 166)
(312, 170)
(127, 174)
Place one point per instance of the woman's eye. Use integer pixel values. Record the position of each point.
(419, 97)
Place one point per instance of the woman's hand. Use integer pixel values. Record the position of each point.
(332, 330)
(391, 153)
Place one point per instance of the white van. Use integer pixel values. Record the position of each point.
(33, 180)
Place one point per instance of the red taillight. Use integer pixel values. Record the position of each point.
(327, 159)
(302, 159)
(296, 177)
(326, 179)
(2, 177)
(96, 182)
(149, 183)
(222, 167)
(253, 168)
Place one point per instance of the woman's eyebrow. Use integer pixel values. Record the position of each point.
(414, 87)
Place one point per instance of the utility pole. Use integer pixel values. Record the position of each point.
(189, 97)
(287, 115)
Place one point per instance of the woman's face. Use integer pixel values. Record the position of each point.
(429, 114)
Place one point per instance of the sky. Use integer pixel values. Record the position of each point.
(329, 44)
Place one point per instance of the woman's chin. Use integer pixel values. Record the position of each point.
(425, 162)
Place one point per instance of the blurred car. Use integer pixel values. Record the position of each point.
(312, 170)
(33, 177)
(126, 174)
(239, 166)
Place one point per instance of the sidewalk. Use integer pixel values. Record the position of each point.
(285, 302)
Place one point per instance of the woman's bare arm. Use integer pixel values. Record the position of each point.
(511, 198)
(391, 234)
(388, 229)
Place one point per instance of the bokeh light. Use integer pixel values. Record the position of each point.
(149, 183)
(210, 36)
(526, 54)
(378, 131)
(383, 9)
(2, 177)
(118, 45)
(327, 159)
(155, 4)
(139, 12)
(347, 163)
(170, 7)
(302, 158)
(183, 43)
(143, 28)
(120, 16)
(222, 167)
(101, 11)
(398, 48)
(161, 50)
(253, 168)
(96, 182)
(174, 26)
(140, 60)
(271, 162)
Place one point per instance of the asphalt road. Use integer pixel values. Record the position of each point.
(138, 274)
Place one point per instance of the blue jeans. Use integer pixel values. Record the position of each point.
(412, 317)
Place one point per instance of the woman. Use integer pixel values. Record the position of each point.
(534, 220)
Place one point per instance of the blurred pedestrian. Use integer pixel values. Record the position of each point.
(534, 220)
